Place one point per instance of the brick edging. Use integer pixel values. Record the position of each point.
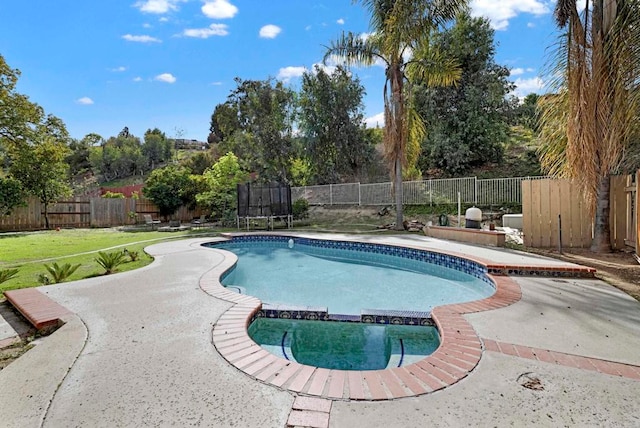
(459, 352)
(563, 359)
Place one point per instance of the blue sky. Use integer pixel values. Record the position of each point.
(101, 65)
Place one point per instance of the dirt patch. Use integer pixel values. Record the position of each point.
(13, 352)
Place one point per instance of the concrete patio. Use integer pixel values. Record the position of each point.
(138, 351)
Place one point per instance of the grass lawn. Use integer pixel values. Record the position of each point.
(29, 252)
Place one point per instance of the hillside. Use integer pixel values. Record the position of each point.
(520, 160)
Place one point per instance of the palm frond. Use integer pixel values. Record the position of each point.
(592, 119)
(353, 49)
(431, 67)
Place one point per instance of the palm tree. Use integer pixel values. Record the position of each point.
(592, 116)
(400, 39)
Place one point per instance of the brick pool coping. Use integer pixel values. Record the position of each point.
(459, 352)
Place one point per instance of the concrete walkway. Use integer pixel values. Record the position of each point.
(138, 352)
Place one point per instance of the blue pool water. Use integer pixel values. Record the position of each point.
(344, 345)
(346, 282)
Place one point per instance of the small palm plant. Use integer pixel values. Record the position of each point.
(7, 274)
(60, 273)
(110, 261)
(133, 255)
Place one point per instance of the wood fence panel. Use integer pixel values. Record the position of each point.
(618, 210)
(543, 201)
(23, 218)
(528, 216)
(545, 217)
(70, 213)
(107, 212)
(566, 212)
(555, 207)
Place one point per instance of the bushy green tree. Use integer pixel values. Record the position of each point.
(119, 157)
(256, 123)
(11, 195)
(167, 188)
(468, 123)
(41, 169)
(221, 182)
(19, 117)
(332, 123)
(156, 148)
(80, 151)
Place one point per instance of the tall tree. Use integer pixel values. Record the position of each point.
(41, 169)
(256, 123)
(468, 123)
(593, 115)
(156, 148)
(401, 31)
(332, 123)
(18, 115)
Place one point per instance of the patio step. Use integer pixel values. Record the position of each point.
(42, 312)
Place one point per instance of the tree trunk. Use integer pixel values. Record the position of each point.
(601, 235)
(398, 193)
(46, 216)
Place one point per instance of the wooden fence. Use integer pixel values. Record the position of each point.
(553, 208)
(87, 212)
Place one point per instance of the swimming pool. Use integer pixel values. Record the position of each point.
(350, 278)
(383, 295)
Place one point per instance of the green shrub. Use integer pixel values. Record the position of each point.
(61, 272)
(7, 274)
(133, 255)
(113, 195)
(110, 261)
(43, 279)
(300, 209)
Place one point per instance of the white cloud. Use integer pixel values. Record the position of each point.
(119, 69)
(307, 28)
(340, 21)
(146, 25)
(141, 39)
(165, 77)
(287, 73)
(327, 68)
(216, 83)
(527, 86)
(499, 13)
(157, 6)
(164, 19)
(137, 79)
(85, 101)
(219, 9)
(205, 33)
(270, 31)
(517, 71)
(531, 25)
(375, 121)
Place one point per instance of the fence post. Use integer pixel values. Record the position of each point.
(330, 194)
(359, 195)
(475, 190)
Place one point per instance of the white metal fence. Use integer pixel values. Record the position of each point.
(493, 191)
